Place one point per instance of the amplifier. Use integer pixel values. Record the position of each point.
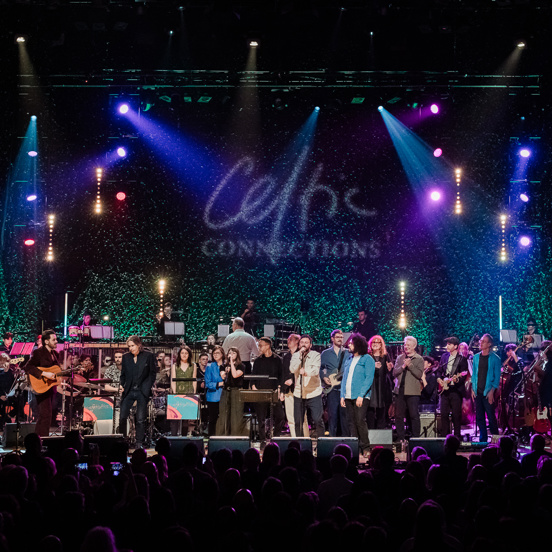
(430, 425)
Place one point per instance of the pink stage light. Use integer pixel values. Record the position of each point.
(29, 242)
(435, 195)
(121, 196)
(525, 241)
(438, 152)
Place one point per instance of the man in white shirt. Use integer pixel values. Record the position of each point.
(244, 342)
(307, 395)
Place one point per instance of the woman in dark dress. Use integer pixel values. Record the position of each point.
(380, 399)
(231, 421)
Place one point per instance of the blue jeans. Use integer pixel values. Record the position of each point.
(482, 407)
(336, 412)
(141, 413)
(314, 406)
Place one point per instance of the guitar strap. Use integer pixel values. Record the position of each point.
(340, 363)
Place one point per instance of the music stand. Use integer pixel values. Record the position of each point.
(101, 332)
(174, 328)
(508, 336)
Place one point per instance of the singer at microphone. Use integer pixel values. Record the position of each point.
(409, 368)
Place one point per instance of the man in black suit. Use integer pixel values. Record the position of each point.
(137, 379)
(451, 366)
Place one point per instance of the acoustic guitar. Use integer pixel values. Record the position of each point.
(41, 385)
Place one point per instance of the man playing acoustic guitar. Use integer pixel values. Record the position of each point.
(451, 376)
(45, 357)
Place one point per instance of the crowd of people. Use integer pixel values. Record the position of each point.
(67, 500)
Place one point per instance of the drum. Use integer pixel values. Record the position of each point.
(73, 331)
(159, 404)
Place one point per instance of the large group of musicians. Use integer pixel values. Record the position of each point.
(347, 389)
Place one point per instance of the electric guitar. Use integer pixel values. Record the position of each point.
(542, 423)
(41, 385)
(335, 379)
(447, 382)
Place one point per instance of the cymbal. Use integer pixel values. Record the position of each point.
(87, 385)
(100, 380)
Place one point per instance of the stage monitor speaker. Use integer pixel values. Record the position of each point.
(179, 443)
(113, 448)
(381, 438)
(305, 443)
(326, 446)
(10, 430)
(231, 443)
(435, 446)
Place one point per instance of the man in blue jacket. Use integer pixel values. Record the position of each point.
(356, 386)
(485, 382)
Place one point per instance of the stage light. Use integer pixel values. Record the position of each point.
(98, 206)
(434, 109)
(31, 197)
(32, 153)
(253, 44)
(521, 44)
(29, 242)
(458, 206)
(435, 195)
(503, 219)
(317, 108)
(20, 39)
(380, 108)
(121, 152)
(33, 117)
(123, 108)
(524, 198)
(50, 252)
(402, 317)
(438, 152)
(524, 152)
(106, 317)
(121, 196)
(525, 241)
(171, 33)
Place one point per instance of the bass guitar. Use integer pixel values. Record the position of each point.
(447, 382)
(41, 385)
(335, 379)
(16, 360)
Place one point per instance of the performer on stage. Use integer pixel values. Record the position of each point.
(358, 375)
(244, 342)
(288, 385)
(332, 364)
(6, 343)
(215, 374)
(429, 381)
(449, 374)
(45, 357)
(230, 419)
(250, 317)
(305, 365)
(167, 316)
(544, 370)
(268, 364)
(408, 370)
(364, 326)
(114, 372)
(6, 381)
(381, 394)
(486, 379)
(183, 368)
(137, 379)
